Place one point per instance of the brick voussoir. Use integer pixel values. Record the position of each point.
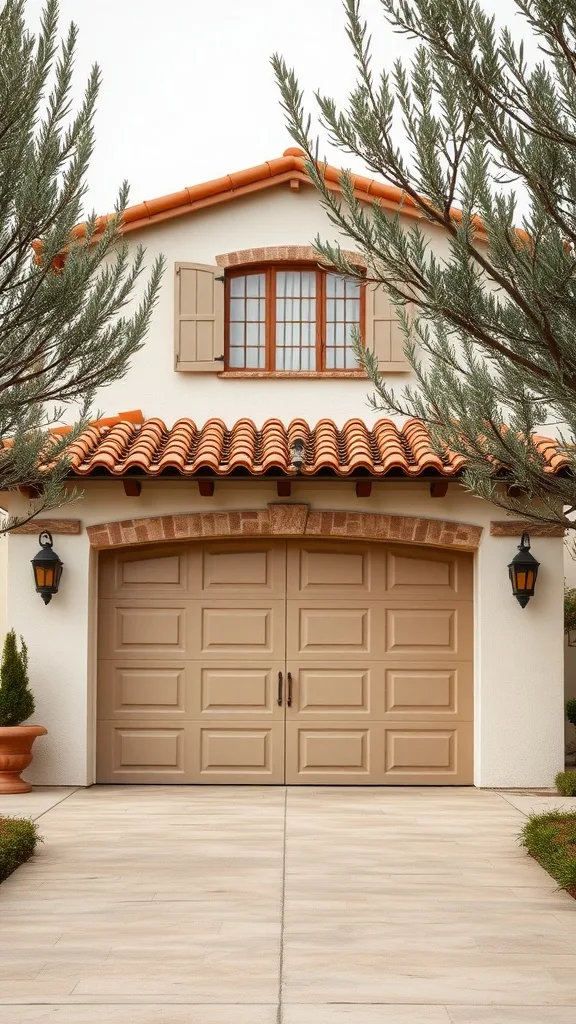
(287, 520)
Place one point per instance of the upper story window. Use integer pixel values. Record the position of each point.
(276, 318)
(291, 319)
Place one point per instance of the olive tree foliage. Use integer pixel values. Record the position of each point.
(65, 330)
(466, 127)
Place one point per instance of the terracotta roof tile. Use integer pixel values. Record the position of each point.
(117, 446)
(291, 165)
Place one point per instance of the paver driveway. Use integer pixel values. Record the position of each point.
(308, 906)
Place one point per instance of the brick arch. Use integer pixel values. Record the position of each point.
(281, 254)
(283, 520)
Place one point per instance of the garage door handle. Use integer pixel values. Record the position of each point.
(289, 701)
(280, 689)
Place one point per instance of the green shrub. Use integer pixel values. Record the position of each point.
(571, 710)
(569, 609)
(18, 839)
(551, 839)
(566, 783)
(16, 699)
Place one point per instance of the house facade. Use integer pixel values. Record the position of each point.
(265, 581)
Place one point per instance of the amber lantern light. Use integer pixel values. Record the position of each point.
(523, 570)
(47, 569)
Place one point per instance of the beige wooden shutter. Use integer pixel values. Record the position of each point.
(199, 328)
(383, 334)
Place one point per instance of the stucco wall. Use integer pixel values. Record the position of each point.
(275, 217)
(519, 652)
(570, 652)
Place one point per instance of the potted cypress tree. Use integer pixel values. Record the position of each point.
(16, 706)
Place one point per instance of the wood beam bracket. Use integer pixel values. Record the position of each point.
(206, 488)
(283, 488)
(30, 491)
(132, 488)
(439, 489)
(363, 488)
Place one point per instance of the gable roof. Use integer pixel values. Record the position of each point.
(291, 166)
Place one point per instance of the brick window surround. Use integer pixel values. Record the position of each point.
(287, 520)
(281, 254)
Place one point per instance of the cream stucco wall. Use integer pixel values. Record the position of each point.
(519, 652)
(277, 216)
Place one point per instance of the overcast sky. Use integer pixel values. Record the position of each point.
(188, 92)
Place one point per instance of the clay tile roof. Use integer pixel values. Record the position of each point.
(289, 167)
(117, 446)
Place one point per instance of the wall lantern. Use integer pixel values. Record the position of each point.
(47, 569)
(523, 570)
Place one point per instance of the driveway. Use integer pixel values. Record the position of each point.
(157, 905)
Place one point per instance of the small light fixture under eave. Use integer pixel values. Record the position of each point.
(297, 454)
(47, 569)
(523, 570)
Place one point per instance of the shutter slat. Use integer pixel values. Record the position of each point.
(199, 318)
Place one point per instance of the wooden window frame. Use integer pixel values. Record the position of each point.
(270, 270)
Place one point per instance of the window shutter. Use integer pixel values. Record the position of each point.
(199, 328)
(383, 333)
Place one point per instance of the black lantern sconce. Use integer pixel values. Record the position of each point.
(47, 569)
(523, 570)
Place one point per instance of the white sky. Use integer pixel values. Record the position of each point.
(188, 93)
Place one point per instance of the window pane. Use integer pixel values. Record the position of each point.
(237, 286)
(237, 309)
(353, 311)
(253, 358)
(254, 309)
(255, 285)
(236, 334)
(253, 334)
(342, 316)
(236, 357)
(247, 316)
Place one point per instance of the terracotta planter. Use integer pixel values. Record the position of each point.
(16, 754)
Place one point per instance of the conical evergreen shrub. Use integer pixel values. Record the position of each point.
(16, 699)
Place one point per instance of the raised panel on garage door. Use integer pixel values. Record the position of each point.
(144, 572)
(329, 569)
(188, 686)
(414, 573)
(428, 753)
(239, 569)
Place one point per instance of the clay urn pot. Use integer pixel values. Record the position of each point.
(15, 755)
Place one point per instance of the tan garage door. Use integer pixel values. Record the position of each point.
(271, 662)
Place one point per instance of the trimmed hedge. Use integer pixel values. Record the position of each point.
(551, 839)
(18, 839)
(566, 783)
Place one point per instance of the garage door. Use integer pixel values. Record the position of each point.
(269, 662)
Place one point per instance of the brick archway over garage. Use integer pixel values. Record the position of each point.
(283, 520)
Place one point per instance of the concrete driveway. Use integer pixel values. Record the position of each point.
(152, 905)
